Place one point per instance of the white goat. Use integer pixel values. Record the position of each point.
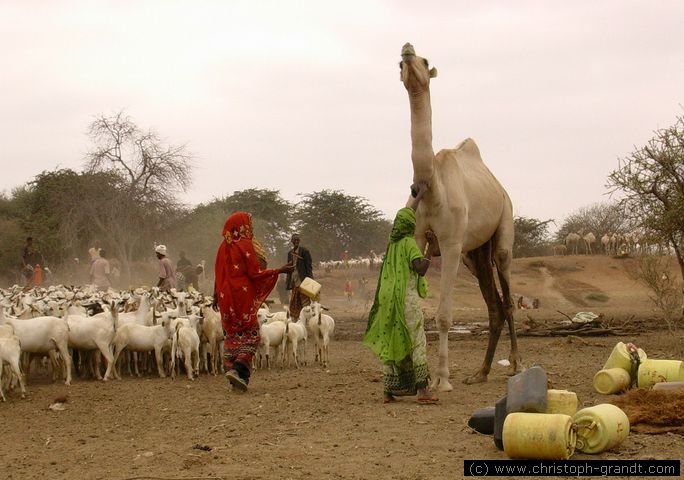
(44, 335)
(321, 327)
(186, 342)
(294, 340)
(10, 352)
(141, 338)
(272, 335)
(94, 333)
(212, 334)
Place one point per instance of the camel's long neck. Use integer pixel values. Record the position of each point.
(422, 154)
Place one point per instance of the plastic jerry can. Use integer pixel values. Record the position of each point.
(612, 380)
(600, 428)
(547, 436)
(310, 287)
(527, 391)
(620, 357)
(655, 371)
(500, 412)
(561, 401)
(482, 421)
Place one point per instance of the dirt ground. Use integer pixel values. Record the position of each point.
(316, 423)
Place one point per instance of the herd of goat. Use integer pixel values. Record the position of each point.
(65, 327)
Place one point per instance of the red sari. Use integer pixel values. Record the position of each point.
(241, 287)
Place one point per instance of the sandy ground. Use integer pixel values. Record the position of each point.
(329, 423)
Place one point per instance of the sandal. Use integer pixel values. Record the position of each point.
(389, 398)
(236, 381)
(428, 400)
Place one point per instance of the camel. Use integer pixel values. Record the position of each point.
(589, 240)
(605, 241)
(571, 242)
(470, 214)
(559, 249)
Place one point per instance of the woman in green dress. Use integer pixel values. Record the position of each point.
(395, 330)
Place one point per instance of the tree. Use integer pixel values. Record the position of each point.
(651, 179)
(339, 222)
(531, 237)
(151, 170)
(142, 176)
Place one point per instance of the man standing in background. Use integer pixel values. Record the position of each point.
(99, 272)
(167, 274)
(303, 267)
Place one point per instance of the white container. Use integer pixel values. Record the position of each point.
(310, 287)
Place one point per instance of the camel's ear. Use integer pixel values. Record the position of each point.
(433, 72)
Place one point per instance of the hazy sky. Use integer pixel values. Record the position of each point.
(302, 96)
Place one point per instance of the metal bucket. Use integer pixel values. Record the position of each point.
(656, 371)
(611, 380)
(561, 401)
(546, 436)
(600, 428)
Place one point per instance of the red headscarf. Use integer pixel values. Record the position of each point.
(241, 282)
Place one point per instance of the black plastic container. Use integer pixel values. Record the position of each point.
(500, 412)
(527, 391)
(482, 420)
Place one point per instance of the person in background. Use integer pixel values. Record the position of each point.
(100, 273)
(348, 290)
(183, 261)
(395, 331)
(242, 284)
(31, 258)
(167, 274)
(300, 257)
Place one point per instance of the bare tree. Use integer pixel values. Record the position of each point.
(652, 181)
(151, 170)
(142, 176)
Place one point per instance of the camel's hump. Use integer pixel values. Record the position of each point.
(468, 146)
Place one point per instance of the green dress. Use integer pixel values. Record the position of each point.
(395, 330)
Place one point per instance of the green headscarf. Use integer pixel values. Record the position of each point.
(386, 334)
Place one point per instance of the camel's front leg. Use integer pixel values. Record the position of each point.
(451, 258)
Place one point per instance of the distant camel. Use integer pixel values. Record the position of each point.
(471, 215)
(589, 240)
(559, 249)
(571, 242)
(605, 241)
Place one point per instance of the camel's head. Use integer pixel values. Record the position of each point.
(415, 71)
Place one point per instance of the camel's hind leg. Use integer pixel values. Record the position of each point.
(503, 256)
(480, 260)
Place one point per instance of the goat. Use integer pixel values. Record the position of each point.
(186, 341)
(142, 338)
(321, 327)
(94, 333)
(10, 352)
(272, 335)
(44, 335)
(212, 334)
(295, 338)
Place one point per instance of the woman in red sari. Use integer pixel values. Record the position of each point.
(242, 284)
